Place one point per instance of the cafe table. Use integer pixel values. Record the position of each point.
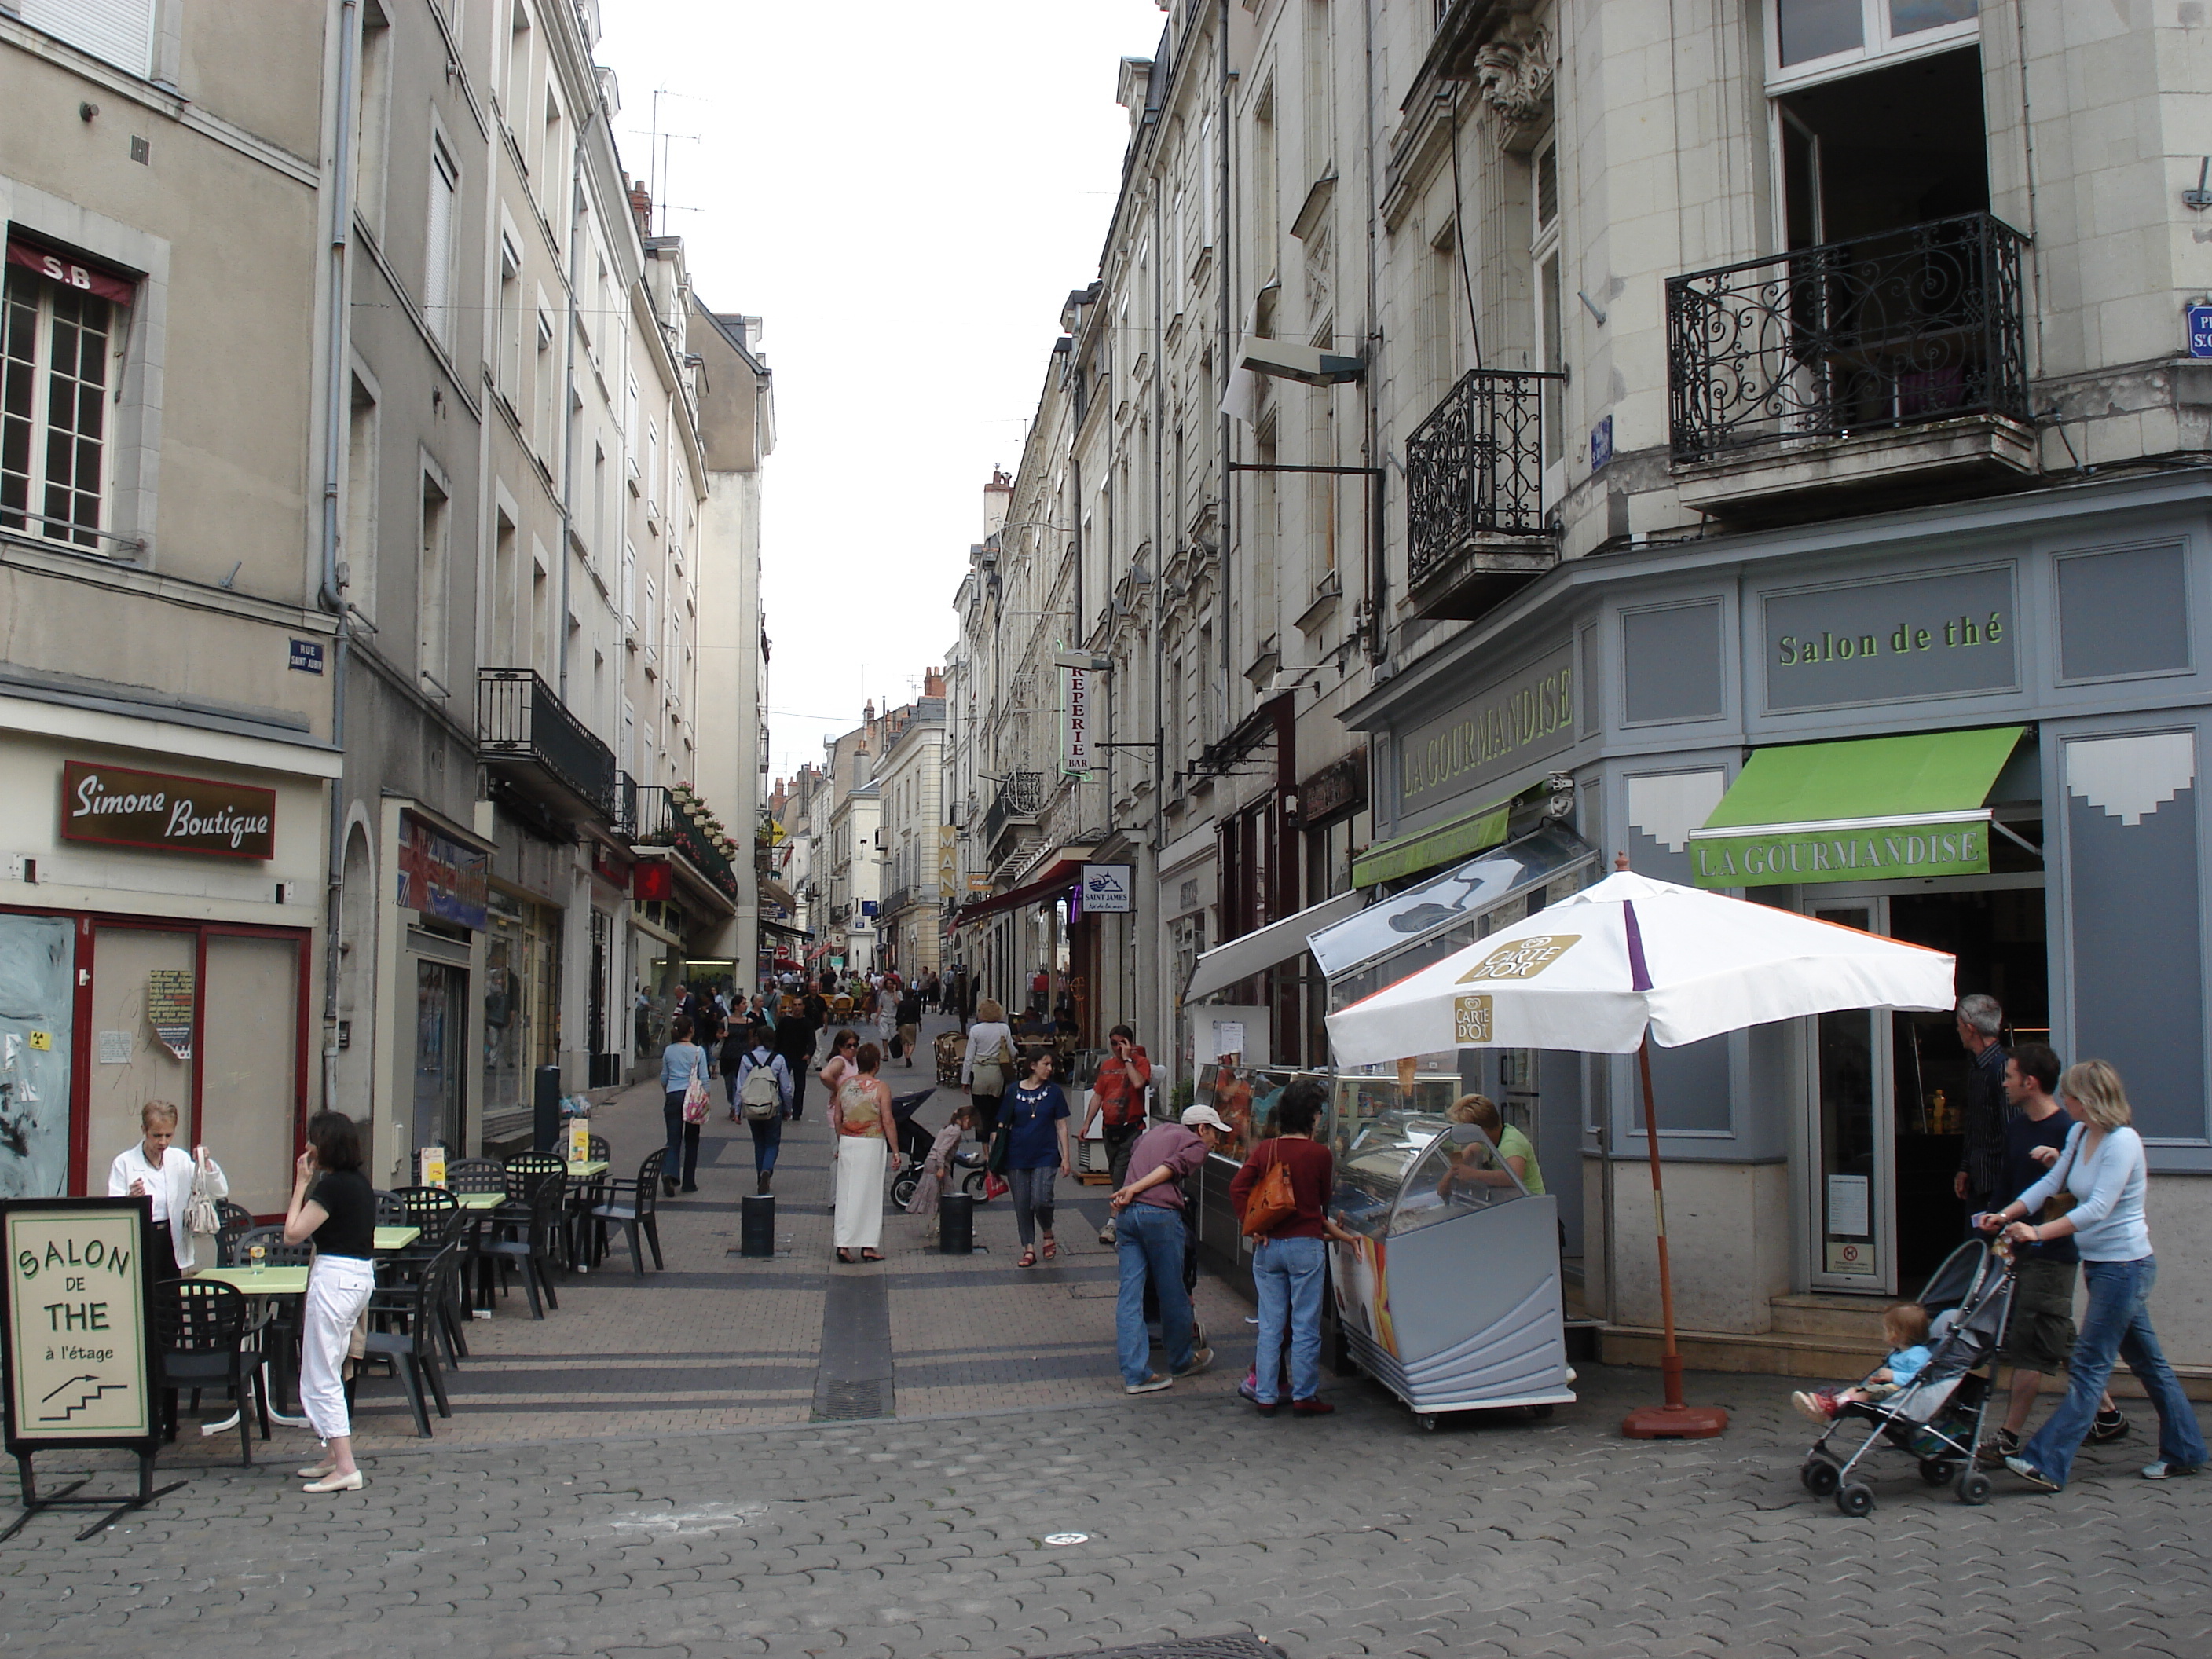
(481, 1200)
(267, 1282)
(587, 1171)
(389, 1239)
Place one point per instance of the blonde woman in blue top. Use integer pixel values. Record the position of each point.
(2102, 1166)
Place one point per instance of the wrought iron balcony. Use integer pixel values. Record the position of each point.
(526, 736)
(625, 805)
(664, 819)
(1475, 494)
(1900, 329)
(1020, 799)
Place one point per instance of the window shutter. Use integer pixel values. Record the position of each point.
(119, 32)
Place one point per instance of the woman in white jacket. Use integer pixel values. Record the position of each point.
(156, 1169)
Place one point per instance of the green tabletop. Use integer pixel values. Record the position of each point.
(396, 1238)
(585, 1171)
(269, 1281)
(481, 1200)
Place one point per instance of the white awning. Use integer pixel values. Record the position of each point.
(1263, 947)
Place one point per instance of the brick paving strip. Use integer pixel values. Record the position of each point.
(639, 1475)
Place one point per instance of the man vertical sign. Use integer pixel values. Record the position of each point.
(75, 1295)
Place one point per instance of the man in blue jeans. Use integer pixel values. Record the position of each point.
(1149, 1239)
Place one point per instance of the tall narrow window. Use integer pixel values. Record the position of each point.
(509, 369)
(53, 415)
(438, 241)
(1544, 257)
(373, 117)
(1266, 185)
(516, 98)
(430, 586)
(360, 543)
(502, 646)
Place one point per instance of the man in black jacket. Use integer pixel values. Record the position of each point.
(794, 1041)
(1982, 1161)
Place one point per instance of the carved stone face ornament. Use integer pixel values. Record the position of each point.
(1515, 77)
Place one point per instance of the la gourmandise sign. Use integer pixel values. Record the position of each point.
(1522, 719)
(118, 806)
(1811, 853)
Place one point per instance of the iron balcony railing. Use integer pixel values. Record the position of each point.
(1475, 467)
(1020, 798)
(1922, 323)
(519, 718)
(663, 820)
(625, 805)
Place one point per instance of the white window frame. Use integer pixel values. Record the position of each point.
(441, 265)
(66, 531)
(1545, 245)
(1878, 47)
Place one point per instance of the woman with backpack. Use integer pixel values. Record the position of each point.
(760, 1086)
(984, 1071)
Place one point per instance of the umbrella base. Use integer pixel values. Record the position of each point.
(1674, 1423)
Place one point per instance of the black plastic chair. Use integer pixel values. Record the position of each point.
(522, 1231)
(279, 1253)
(237, 1220)
(584, 1196)
(390, 1211)
(437, 1216)
(476, 1174)
(201, 1340)
(403, 1332)
(631, 1205)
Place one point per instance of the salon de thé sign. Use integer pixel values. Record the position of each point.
(122, 806)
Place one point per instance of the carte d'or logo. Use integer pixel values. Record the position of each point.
(1471, 1018)
(1524, 958)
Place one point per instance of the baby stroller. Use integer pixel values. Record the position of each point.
(1937, 1416)
(952, 1048)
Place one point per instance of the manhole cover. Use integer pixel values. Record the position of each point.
(1064, 1538)
(850, 1403)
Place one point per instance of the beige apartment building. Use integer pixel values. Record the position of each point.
(1697, 401)
(166, 731)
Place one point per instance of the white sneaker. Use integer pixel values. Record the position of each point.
(1151, 1384)
(1106, 1234)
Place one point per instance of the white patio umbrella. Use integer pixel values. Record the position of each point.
(1619, 965)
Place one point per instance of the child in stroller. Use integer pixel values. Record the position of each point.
(1934, 1413)
(1906, 1329)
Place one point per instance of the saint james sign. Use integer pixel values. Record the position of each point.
(118, 806)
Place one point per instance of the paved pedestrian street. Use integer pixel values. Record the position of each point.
(657, 1469)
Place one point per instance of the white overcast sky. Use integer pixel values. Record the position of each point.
(904, 193)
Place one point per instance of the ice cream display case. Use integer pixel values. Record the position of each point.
(1451, 1297)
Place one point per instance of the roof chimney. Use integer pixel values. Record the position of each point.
(641, 206)
(932, 682)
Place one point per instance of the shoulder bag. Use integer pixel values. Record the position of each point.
(1273, 1202)
(2061, 1200)
(201, 1215)
(695, 1096)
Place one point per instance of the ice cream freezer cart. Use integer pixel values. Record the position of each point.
(1451, 1297)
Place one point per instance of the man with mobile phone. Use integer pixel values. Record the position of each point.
(1118, 1092)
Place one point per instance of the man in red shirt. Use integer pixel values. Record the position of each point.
(1118, 1093)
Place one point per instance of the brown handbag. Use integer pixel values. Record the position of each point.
(1272, 1203)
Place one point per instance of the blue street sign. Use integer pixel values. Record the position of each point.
(307, 656)
(2200, 330)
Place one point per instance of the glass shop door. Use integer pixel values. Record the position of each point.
(1852, 1202)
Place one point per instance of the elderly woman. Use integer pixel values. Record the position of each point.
(157, 1170)
(861, 1111)
(333, 1204)
(2102, 1167)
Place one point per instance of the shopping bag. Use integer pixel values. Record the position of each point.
(694, 1100)
(995, 1186)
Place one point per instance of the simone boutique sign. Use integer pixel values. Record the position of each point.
(119, 806)
(1524, 718)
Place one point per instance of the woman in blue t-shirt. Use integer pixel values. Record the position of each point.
(1033, 1118)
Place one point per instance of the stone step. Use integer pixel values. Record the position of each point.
(1811, 1314)
(1836, 1359)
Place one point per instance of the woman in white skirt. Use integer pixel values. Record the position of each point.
(333, 1204)
(864, 1132)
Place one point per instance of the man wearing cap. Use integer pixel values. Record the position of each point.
(1149, 1239)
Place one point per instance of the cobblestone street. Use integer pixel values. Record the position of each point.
(642, 1472)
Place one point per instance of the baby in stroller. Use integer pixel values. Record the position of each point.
(1906, 1329)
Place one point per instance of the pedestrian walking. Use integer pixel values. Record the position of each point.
(1981, 1158)
(1118, 1093)
(153, 1167)
(760, 1097)
(1149, 1245)
(794, 1042)
(909, 1023)
(333, 1204)
(843, 1052)
(681, 1062)
(986, 1067)
(2038, 1337)
(1033, 1117)
(865, 1132)
(1289, 1261)
(2102, 1169)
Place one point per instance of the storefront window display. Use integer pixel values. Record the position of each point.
(522, 1001)
(37, 1001)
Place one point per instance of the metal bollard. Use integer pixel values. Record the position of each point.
(756, 1224)
(956, 1223)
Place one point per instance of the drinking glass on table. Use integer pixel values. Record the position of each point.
(257, 1253)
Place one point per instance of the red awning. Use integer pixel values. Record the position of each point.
(1054, 885)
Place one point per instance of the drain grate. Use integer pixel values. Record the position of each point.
(847, 1402)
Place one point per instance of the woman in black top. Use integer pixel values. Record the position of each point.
(333, 1204)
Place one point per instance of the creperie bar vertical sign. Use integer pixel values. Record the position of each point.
(1079, 720)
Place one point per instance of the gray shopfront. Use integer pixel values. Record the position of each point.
(2059, 638)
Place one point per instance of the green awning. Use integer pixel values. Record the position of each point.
(1444, 843)
(1860, 810)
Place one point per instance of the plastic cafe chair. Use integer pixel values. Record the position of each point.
(524, 1234)
(403, 1332)
(236, 1220)
(632, 1206)
(391, 1211)
(201, 1340)
(435, 1213)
